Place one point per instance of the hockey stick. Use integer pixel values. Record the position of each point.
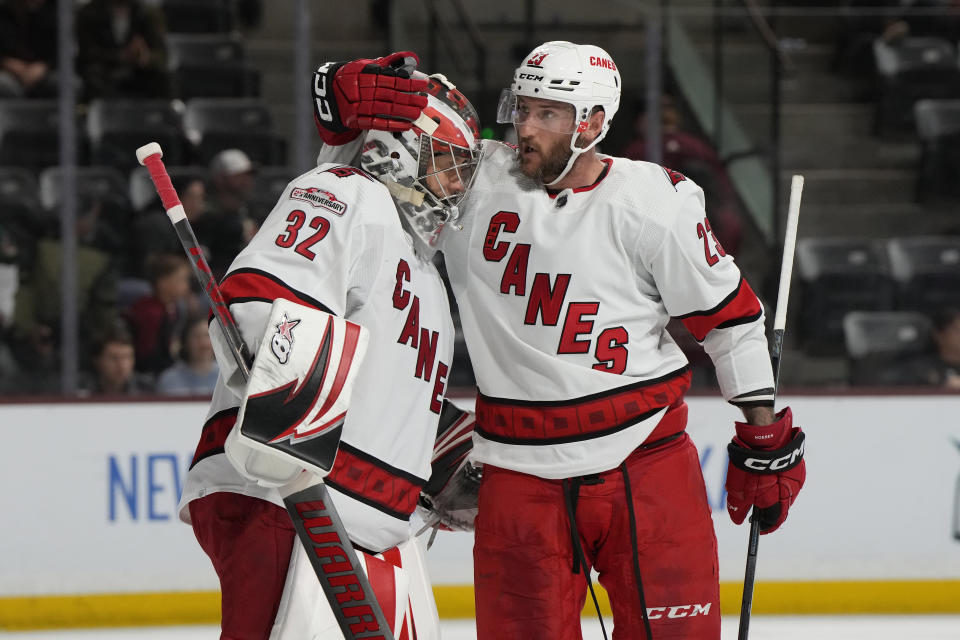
(318, 525)
(776, 351)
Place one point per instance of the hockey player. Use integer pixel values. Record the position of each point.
(337, 241)
(567, 265)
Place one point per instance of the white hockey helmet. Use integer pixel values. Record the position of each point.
(582, 75)
(430, 167)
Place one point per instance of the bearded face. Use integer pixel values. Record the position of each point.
(544, 130)
(543, 157)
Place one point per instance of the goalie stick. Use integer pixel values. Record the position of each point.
(776, 351)
(306, 499)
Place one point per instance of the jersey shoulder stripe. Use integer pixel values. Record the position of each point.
(256, 285)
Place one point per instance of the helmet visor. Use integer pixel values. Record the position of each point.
(549, 115)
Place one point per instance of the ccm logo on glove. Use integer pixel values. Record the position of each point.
(324, 110)
(766, 471)
(768, 463)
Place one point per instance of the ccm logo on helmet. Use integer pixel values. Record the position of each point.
(529, 76)
(606, 63)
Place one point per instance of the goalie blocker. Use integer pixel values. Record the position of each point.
(295, 402)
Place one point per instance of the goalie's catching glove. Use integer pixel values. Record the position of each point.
(449, 499)
(366, 94)
(766, 470)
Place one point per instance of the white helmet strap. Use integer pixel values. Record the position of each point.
(575, 153)
(402, 193)
(426, 124)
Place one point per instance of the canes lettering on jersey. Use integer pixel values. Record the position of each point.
(547, 296)
(420, 338)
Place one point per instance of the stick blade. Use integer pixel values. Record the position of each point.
(147, 150)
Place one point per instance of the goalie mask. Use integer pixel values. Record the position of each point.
(429, 168)
(580, 75)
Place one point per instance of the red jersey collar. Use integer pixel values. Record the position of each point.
(607, 163)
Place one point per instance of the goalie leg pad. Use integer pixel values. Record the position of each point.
(398, 578)
(422, 620)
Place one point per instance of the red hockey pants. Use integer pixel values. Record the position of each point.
(523, 551)
(249, 542)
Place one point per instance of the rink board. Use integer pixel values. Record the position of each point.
(91, 534)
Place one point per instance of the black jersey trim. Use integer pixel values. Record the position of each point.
(405, 517)
(593, 396)
(709, 312)
(733, 322)
(380, 464)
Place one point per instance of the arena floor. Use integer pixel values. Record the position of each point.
(932, 627)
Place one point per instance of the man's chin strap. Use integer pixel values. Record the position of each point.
(575, 153)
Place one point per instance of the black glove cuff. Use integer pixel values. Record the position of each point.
(763, 462)
(325, 108)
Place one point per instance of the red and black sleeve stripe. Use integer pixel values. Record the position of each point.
(214, 434)
(740, 307)
(254, 285)
(374, 482)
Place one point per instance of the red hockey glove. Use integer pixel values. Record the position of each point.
(766, 470)
(366, 94)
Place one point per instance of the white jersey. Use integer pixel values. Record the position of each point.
(564, 299)
(334, 241)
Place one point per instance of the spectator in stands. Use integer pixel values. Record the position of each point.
(221, 229)
(158, 318)
(37, 309)
(101, 222)
(152, 232)
(863, 21)
(122, 50)
(9, 275)
(691, 155)
(28, 49)
(195, 372)
(36, 360)
(9, 281)
(114, 366)
(942, 367)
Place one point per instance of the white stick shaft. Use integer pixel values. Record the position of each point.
(789, 246)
